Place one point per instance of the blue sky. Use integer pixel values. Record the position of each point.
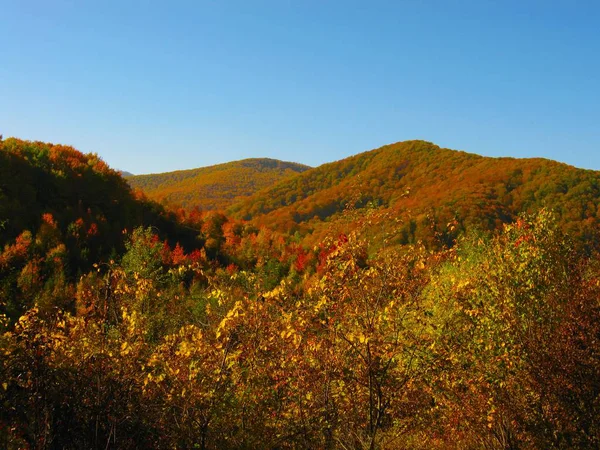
(159, 86)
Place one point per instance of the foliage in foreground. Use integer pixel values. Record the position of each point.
(494, 343)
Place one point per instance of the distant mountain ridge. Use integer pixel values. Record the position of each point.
(422, 185)
(215, 187)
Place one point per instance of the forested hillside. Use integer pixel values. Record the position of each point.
(428, 186)
(62, 211)
(215, 187)
(125, 325)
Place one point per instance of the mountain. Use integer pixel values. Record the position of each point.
(427, 187)
(215, 187)
(125, 174)
(242, 337)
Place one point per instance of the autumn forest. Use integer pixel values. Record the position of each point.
(407, 297)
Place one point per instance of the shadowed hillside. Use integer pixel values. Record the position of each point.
(61, 211)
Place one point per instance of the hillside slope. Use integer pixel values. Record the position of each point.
(215, 187)
(428, 186)
(87, 203)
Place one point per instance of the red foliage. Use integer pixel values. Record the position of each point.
(18, 250)
(93, 230)
(178, 255)
(301, 260)
(48, 218)
(196, 256)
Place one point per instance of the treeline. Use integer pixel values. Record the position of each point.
(493, 343)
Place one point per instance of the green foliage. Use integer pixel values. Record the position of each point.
(143, 254)
(507, 310)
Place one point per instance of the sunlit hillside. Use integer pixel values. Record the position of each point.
(215, 187)
(425, 186)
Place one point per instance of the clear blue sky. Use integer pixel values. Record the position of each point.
(158, 86)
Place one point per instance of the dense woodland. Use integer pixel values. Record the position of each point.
(215, 187)
(422, 184)
(438, 300)
(416, 181)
